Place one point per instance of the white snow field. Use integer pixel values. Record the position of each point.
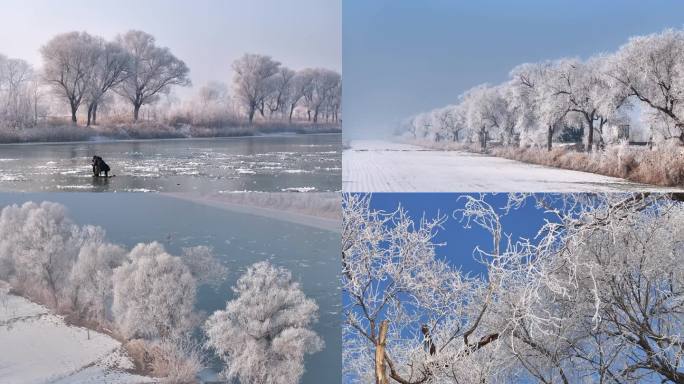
(385, 166)
(39, 347)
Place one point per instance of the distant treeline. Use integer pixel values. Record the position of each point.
(131, 78)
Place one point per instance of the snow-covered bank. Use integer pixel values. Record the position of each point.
(320, 210)
(384, 166)
(37, 346)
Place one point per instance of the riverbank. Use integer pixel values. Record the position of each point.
(318, 210)
(390, 166)
(39, 346)
(661, 166)
(150, 130)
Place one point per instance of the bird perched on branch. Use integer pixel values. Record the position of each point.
(428, 345)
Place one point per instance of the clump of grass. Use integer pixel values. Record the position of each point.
(664, 165)
(172, 361)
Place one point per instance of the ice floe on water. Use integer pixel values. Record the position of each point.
(299, 189)
(11, 177)
(75, 187)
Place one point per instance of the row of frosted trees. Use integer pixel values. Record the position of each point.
(19, 93)
(82, 69)
(83, 73)
(264, 85)
(589, 98)
(147, 297)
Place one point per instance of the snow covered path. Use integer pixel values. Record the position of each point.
(38, 347)
(383, 166)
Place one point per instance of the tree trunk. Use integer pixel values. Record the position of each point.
(35, 110)
(549, 138)
(74, 109)
(483, 139)
(380, 371)
(590, 138)
(252, 110)
(292, 108)
(90, 114)
(136, 112)
(95, 114)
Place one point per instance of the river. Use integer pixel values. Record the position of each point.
(273, 163)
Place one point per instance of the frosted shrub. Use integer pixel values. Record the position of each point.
(90, 280)
(39, 245)
(154, 294)
(176, 361)
(264, 333)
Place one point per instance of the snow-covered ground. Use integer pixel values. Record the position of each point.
(385, 166)
(39, 347)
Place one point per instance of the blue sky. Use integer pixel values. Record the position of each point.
(460, 242)
(401, 57)
(207, 34)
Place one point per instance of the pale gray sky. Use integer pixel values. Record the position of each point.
(207, 34)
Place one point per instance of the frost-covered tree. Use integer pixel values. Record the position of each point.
(583, 88)
(91, 279)
(410, 317)
(489, 114)
(154, 294)
(110, 68)
(253, 81)
(299, 87)
(39, 245)
(213, 93)
(651, 69)
(68, 61)
(325, 87)
(536, 92)
(264, 333)
(281, 86)
(152, 70)
(603, 300)
(18, 95)
(595, 296)
(444, 123)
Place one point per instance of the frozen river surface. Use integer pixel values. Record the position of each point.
(384, 166)
(264, 163)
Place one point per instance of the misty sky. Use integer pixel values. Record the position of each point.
(405, 56)
(207, 34)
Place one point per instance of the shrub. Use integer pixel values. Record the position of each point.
(175, 361)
